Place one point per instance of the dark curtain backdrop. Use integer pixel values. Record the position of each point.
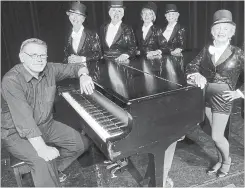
(48, 21)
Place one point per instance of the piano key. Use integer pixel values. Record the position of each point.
(121, 125)
(108, 116)
(113, 118)
(97, 126)
(95, 113)
(115, 121)
(90, 110)
(80, 110)
(103, 121)
(112, 127)
(115, 132)
(99, 117)
(107, 123)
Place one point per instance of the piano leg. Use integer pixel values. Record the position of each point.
(159, 165)
(168, 159)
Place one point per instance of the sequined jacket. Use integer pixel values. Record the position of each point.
(226, 70)
(154, 40)
(176, 40)
(89, 46)
(123, 43)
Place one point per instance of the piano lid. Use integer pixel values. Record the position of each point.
(170, 68)
(130, 83)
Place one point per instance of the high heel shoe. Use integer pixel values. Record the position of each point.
(224, 170)
(214, 169)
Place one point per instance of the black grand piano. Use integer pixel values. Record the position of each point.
(139, 106)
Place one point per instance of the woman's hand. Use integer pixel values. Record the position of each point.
(122, 57)
(199, 79)
(231, 95)
(177, 52)
(153, 53)
(76, 59)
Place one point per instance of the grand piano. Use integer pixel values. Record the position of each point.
(139, 106)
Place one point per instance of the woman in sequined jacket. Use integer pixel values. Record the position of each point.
(150, 40)
(216, 69)
(82, 44)
(174, 34)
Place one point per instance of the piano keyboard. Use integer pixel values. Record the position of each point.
(101, 121)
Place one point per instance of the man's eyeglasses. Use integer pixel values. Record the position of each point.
(36, 56)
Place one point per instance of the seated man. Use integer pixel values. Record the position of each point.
(117, 38)
(174, 33)
(28, 92)
(83, 45)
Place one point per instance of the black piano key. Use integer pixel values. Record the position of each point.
(103, 121)
(95, 113)
(90, 110)
(89, 106)
(121, 125)
(114, 119)
(109, 116)
(99, 117)
(112, 128)
(107, 123)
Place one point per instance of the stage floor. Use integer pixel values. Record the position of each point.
(188, 169)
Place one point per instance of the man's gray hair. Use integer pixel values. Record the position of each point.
(32, 40)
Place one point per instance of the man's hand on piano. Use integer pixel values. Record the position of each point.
(86, 85)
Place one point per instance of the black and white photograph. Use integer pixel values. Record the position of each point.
(122, 93)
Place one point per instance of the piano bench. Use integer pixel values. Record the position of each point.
(19, 168)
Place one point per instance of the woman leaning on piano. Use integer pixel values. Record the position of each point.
(216, 69)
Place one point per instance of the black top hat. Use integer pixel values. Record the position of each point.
(78, 8)
(116, 4)
(152, 6)
(222, 16)
(170, 8)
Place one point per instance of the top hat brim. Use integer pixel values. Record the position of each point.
(116, 6)
(223, 21)
(76, 12)
(171, 11)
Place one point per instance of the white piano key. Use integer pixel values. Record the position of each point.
(99, 130)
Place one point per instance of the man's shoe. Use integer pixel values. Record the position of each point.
(62, 176)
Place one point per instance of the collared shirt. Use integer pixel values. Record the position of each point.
(27, 102)
(111, 32)
(169, 29)
(76, 36)
(219, 51)
(146, 29)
